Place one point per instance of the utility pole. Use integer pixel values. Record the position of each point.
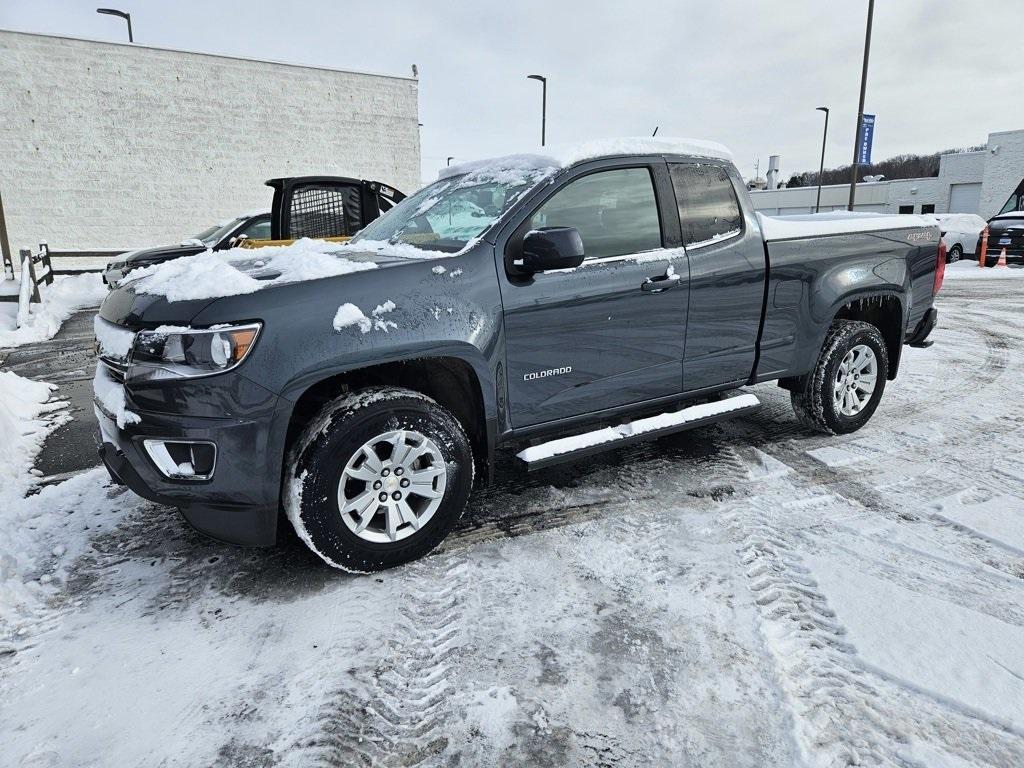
(543, 105)
(860, 106)
(821, 171)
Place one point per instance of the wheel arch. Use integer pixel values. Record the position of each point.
(463, 386)
(884, 310)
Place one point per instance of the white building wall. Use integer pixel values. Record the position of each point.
(114, 145)
(998, 172)
(1004, 170)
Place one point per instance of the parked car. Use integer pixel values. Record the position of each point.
(960, 233)
(333, 207)
(217, 237)
(1005, 230)
(553, 307)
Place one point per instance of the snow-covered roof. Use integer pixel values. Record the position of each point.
(836, 223)
(562, 156)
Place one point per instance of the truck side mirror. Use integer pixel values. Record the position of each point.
(551, 248)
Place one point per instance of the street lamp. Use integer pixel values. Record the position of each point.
(126, 16)
(543, 105)
(860, 108)
(821, 171)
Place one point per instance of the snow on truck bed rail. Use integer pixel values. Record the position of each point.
(836, 223)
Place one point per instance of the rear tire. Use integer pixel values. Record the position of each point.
(835, 397)
(379, 478)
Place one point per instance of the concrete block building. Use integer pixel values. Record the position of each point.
(107, 145)
(978, 182)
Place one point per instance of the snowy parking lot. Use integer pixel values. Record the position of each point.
(746, 594)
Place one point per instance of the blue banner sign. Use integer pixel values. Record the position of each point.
(864, 138)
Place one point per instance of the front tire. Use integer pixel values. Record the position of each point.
(955, 254)
(842, 392)
(379, 478)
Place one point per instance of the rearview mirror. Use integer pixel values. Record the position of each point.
(552, 248)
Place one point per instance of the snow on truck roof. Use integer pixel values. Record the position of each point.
(562, 156)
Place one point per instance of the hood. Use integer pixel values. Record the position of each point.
(161, 253)
(122, 306)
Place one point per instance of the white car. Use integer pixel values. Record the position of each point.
(960, 233)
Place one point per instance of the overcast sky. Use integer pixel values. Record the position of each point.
(747, 74)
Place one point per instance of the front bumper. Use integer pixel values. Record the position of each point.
(239, 504)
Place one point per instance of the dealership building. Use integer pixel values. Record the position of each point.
(982, 182)
(108, 145)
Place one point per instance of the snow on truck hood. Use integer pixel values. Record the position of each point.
(215, 274)
(837, 223)
(562, 156)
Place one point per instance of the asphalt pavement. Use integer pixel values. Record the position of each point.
(66, 360)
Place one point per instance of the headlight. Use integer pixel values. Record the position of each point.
(180, 353)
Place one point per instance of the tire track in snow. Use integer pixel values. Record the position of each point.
(395, 716)
(845, 713)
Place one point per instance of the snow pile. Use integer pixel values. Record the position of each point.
(837, 223)
(114, 341)
(349, 315)
(210, 274)
(67, 295)
(26, 418)
(110, 393)
(398, 250)
(562, 156)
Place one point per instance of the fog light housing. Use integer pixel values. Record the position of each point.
(182, 459)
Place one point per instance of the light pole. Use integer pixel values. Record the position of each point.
(860, 107)
(126, 16)
(824, 137)
(543, 105)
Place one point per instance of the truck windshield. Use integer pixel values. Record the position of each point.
(448, 214)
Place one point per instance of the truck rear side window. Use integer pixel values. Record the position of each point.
(615, 212)
(708, 207)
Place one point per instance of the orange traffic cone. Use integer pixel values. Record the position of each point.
(1002, 259)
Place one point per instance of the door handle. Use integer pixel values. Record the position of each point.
(659, 283)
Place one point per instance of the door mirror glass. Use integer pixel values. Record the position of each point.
(552, 248)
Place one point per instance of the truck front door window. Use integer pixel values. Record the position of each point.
(708, 207)
(615, 212)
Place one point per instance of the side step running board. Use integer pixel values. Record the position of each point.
(600, 440)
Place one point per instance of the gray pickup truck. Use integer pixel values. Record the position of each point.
(530, 309)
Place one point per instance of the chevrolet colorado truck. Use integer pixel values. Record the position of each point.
(529, 309)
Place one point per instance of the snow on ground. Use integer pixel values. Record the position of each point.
(27, 415)
(969, 270)
(747, 594)
(68, 294)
